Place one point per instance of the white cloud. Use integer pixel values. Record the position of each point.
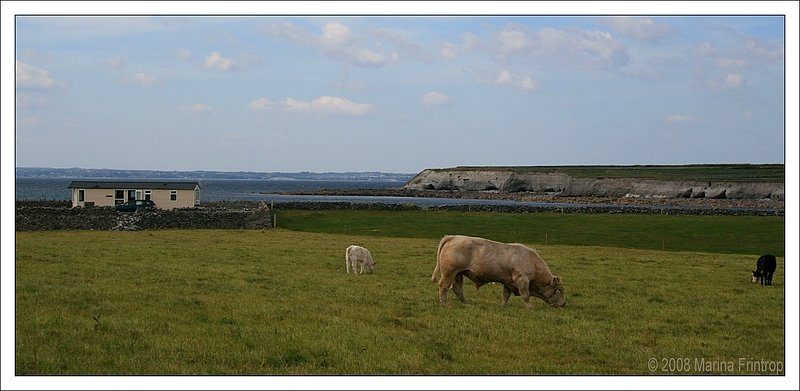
(402, 43)
(600, 44)
(513, 39)
(435, 98)
(725, 68)
(506, 78)
(559, 48)
(335, 35)
(195, 108)
(376, 48)
(527, 84)
(757, 49)
(334, 105)
(144, 80)
(291, 104)
(705, 49)
(216, 62)
(289, 32)
(641, 29)
(450, 51)
(29, 76)
(116, 63)
(734, 80)
(321, 105)
(260, 104)
(722, 81)
(364, 56)
(677, 119)
(503, 77)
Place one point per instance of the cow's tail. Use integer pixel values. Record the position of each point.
(438, 256)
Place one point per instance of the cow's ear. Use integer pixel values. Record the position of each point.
(554, 282)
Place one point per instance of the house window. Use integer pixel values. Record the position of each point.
(81, 195)
(173, 195)
(119, 197)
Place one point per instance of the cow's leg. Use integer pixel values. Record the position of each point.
(506, 295)
(458, 287)
(444, 284)
(523, 286)
(347, 263)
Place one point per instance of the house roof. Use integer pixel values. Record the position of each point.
(169, 185)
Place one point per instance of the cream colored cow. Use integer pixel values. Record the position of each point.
(357, 255)
(518, 268)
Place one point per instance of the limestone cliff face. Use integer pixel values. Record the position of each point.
(565, 185)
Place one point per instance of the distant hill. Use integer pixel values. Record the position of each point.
(45, 172)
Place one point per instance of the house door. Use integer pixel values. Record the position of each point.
(131, 195)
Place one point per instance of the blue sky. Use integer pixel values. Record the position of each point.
(397, 94)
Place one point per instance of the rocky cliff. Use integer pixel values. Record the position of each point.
(561, 184)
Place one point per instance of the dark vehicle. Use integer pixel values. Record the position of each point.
(133, 205)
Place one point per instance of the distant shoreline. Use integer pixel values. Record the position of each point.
(55, 173)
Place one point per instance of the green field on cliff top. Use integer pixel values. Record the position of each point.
(693, 172)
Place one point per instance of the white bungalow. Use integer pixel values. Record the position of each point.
(165, 194)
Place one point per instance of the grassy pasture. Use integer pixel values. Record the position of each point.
(279, 302)
(722, 234)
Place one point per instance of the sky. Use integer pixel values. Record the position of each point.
(396, 93)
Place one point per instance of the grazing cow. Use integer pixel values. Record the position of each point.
(357, 255)
(517, 267)
(765, 267)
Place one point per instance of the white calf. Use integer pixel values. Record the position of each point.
(358, 255)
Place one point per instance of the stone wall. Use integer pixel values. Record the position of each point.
(39, 216)
(35, 216)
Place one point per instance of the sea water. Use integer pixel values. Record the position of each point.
(56, 189)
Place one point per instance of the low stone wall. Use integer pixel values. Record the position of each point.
(554, 208)
(37, 216)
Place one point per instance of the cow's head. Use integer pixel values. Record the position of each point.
(555, 293)
(369, 264)
(756, 276)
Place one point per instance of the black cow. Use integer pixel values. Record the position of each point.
(765, 267)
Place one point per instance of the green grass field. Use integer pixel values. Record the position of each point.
(280, 302)
(722, 234)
